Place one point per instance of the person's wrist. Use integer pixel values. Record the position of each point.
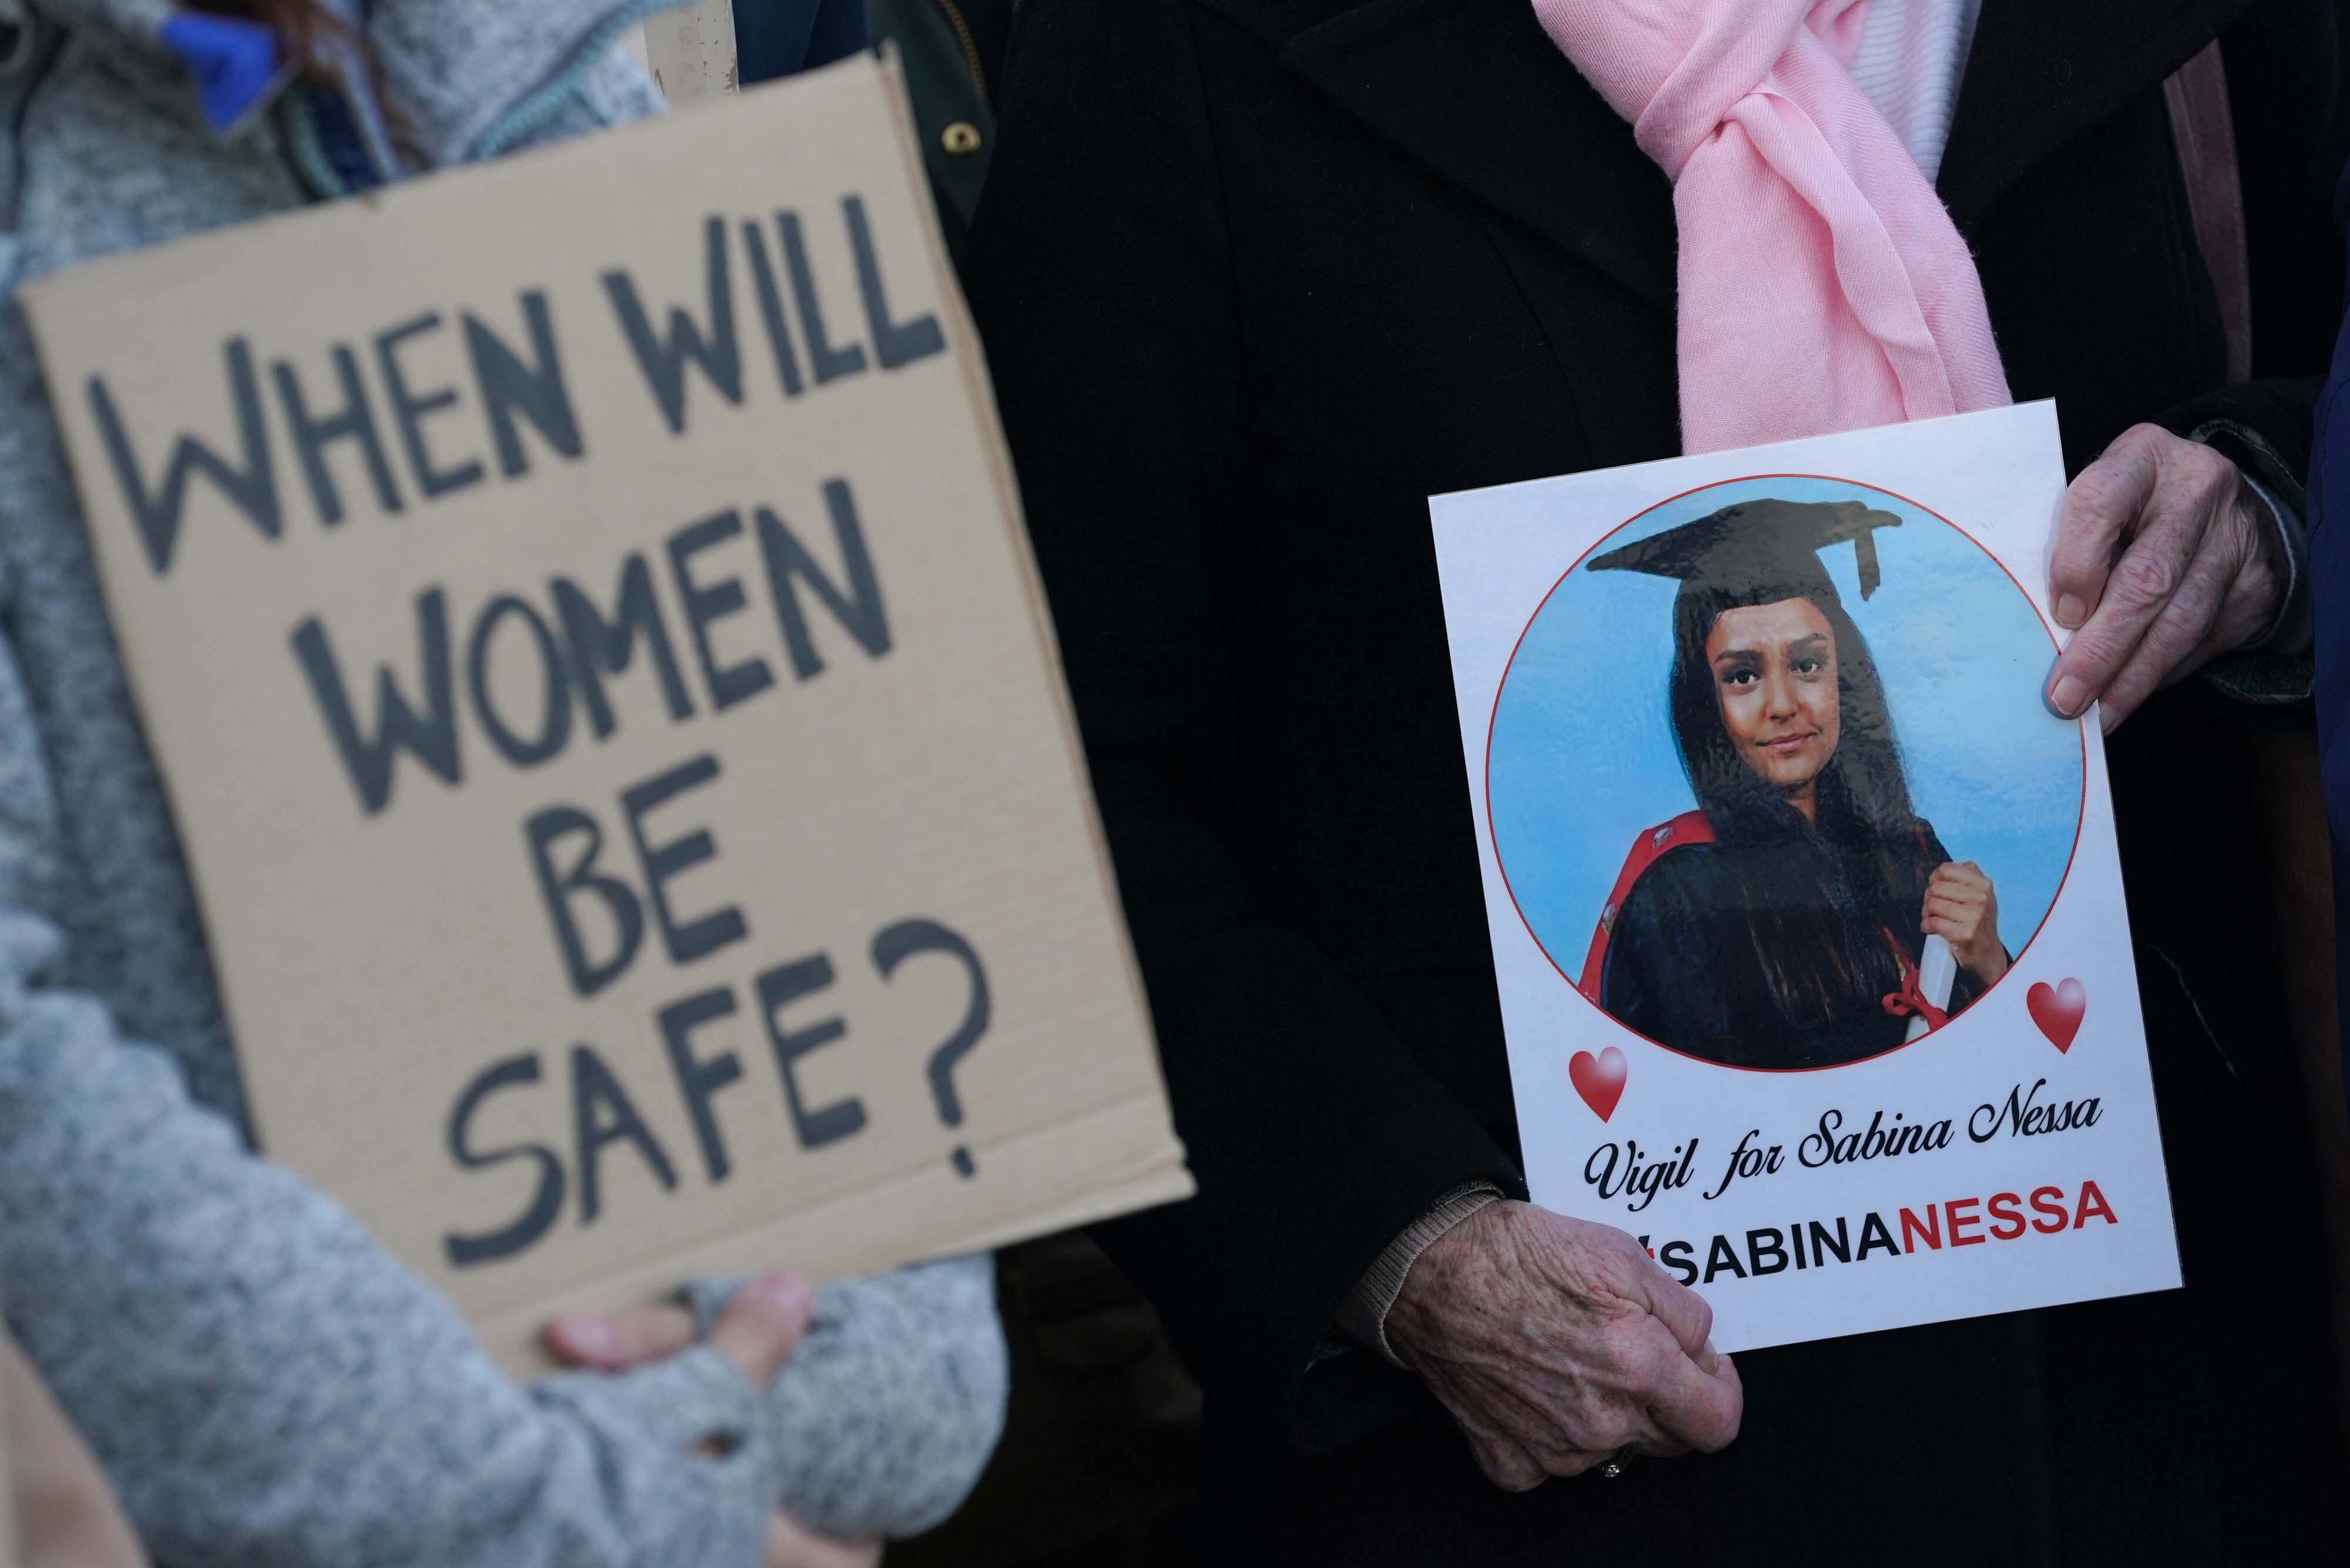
(2282, 541)
(1362, 1317)
(1436, 1277)
(2267, 574)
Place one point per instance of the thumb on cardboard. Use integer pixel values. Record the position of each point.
(763, 1325)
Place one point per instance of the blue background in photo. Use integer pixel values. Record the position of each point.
(1582, 757)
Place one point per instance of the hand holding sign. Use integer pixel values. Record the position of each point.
(2164, 559)
(757, 1333)
(1556, 1343)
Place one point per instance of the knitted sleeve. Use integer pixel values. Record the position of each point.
(264, 1386)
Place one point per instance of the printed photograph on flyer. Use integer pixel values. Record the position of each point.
(1806, 910)
(1764, 734)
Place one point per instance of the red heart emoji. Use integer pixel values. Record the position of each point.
(1599, 1079)
(2057, 1009)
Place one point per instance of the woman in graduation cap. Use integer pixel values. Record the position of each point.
(1784, 923)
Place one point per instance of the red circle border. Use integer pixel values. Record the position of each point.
(1494, 839)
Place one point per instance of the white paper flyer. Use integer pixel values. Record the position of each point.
(1806, 913)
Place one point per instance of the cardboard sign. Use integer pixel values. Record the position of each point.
(580, 610)
(1807, 914)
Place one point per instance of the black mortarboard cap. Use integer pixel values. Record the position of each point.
(1757, 543)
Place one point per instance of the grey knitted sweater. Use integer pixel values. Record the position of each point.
(265, 1385)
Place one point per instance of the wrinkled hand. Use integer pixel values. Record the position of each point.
(1556, 1343)
(1963, 909)
(757, 1332)
(2164, 559)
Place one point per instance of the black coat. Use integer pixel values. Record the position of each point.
(1257, 277)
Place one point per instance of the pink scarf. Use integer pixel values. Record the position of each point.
(1823, 285)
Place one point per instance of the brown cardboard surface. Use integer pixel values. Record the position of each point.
(884, 762)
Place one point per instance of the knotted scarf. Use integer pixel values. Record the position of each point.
(1823, 285)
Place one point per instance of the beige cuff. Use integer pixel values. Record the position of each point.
(1364, 1315)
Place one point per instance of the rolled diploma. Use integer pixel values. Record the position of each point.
(1937, 970)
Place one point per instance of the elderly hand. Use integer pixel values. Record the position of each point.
(1556, 1343)
(2163, 559)
(757, 1332)
(1963, 909)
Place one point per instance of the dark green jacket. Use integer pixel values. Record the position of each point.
(950, 87)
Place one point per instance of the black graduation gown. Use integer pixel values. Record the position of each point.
(1682, 966)
(1259, 277)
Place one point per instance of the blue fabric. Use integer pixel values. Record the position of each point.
(342, 143)
(2329, 570)
(233, 60)
(780, 37)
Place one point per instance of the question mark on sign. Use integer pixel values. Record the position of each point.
(892, 947)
